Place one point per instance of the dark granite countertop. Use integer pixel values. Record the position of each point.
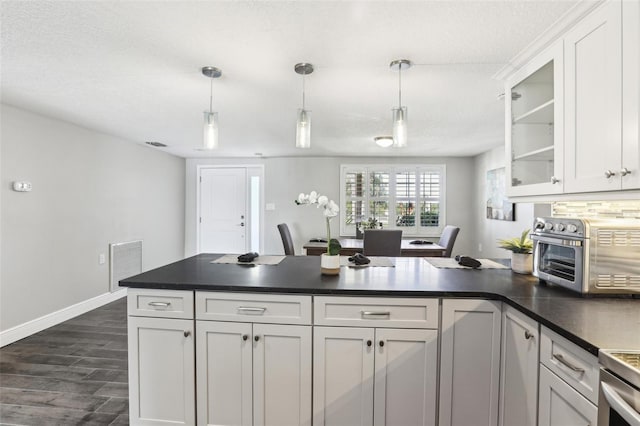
(593, 323)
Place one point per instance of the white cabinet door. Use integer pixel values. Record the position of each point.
(562, 405)
(282, 375)
(406, 365)
(343, 376)
(631, 94)
(470, 362)
(593, 87)
(224, 373)
(518, 369)
(161, 366)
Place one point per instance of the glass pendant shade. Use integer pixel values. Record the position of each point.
(303, 129)
(210, 140)
(400, 127)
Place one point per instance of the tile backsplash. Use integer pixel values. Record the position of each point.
(627, 209)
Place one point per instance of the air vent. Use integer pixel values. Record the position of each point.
(156, 144)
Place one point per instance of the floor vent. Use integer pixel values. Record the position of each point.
(125, 260)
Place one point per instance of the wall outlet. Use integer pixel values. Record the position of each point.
(270, 206)
(480, 247)
(102, 259)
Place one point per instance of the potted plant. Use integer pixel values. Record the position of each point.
(520, 248)
(329, 261)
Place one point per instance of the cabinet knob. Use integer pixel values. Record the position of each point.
(381, 343)
(554, 180)
(527, 334)
(256, 338)
(187, 333)
(625, 172)
(369, 342)
(609, 174)
(245, 337)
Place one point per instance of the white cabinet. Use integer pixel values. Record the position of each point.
(380, 375)
(519, 369)
(631, 93)
(569, 378)
(470, 362)
(534, 126)
(562, 405)
(161, 367)
(253, 374)
(593, 87)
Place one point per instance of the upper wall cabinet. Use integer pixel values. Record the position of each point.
(593, 81)
(631, 93)
(534, 126)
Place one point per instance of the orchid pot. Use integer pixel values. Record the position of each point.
(521, 249)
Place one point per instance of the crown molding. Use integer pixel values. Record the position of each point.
(549, 36)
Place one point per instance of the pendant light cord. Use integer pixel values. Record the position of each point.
(211, 97)
(400, 86)
(303, 77)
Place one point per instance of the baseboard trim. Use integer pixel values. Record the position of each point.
(31, 327)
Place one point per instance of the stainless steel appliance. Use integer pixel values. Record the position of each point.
(619, 395)
(588, 255)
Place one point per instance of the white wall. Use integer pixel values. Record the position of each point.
(89, 190)
(488, 231)
(286, 177)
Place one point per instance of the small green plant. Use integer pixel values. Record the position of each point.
(517, 245)
(334, 247)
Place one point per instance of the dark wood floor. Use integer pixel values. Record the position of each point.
(74, 373)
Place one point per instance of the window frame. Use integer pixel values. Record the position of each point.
(419, 169)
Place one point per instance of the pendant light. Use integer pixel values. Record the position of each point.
(303, 123)
(210, 135)
(399, 115)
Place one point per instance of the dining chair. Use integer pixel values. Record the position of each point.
(287, 242)
(382, 242)
(448, 239)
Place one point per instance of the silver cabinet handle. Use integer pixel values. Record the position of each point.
(160, 304)
(554, 180)
(251, 309)
(620, 406)
(375, 313)
(527, 334)
(625, 172)
(187, 333)
(609, 174)
(567, 364)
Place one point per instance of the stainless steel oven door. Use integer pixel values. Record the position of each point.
(559, 261)
(618, 402)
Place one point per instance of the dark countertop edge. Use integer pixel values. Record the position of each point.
(589, 347)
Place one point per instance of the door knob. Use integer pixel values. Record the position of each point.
(187, 333)
(609, 174)
(381, 343)
(245, 337)
(256, 338)
(527, 334)
(554, 180)
(625, 172)
(368, 342)
(241, 223)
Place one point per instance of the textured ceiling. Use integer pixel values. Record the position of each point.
(132, 69)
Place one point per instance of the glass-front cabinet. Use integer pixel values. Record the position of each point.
(534, 126)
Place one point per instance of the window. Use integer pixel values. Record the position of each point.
(406, 197)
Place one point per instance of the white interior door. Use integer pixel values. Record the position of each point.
(223, 210)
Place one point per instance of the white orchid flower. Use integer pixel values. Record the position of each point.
(331, 210)
(322, 201)
(313, 197)
(303, 199)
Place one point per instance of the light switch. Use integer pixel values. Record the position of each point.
(102, 259)
(22, 186)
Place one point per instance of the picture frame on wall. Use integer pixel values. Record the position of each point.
(498, 206)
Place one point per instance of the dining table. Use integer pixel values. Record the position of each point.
(351, 246)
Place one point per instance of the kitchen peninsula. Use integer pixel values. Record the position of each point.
(259, 334)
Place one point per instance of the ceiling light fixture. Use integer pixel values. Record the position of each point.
(303, 122)
(210, 136)
(384, 141)
(399, 115)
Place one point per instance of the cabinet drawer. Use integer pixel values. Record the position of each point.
(572, 364)
(243, 307)
(376, 312)
(160, 303)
